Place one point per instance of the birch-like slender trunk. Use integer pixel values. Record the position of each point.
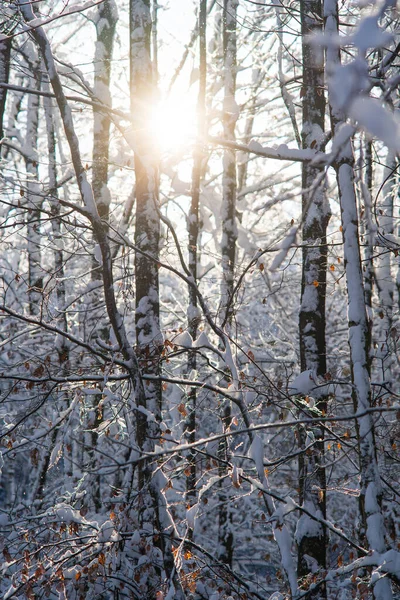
(8, 474)
(311, 537)
(105, 22)
(229, 178)
(370, 498)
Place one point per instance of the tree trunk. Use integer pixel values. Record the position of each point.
(311, 537)
(228, 251)
(193, 311)
(33, 198)
(367, 229)
(5, 54)
(105, 22)
(229, 179)
(153, 515)
(383, 274)
(147, 228)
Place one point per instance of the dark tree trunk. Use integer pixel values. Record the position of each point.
(193, 235)
(312, 538)
(5, 54)
(153, 516)
(228, 251)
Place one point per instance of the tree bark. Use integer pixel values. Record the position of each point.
(153, 515)
(383, 274)
(311, 537)
(193, 311)
(5, 55)
(33, 198)
(229, 177)
(228, 251)
(105, 22)
(367, 230)
(147, 228)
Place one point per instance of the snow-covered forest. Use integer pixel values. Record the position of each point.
(199, 299)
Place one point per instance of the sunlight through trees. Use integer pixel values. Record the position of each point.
(199, 300)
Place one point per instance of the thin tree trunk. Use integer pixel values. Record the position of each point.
(367, 230)
(229, 179)
(147, 228)
(193, 235)
(228, 251)
(5, 54)
(105, 22)
(33, 199)
(383, 274)
(312, 538)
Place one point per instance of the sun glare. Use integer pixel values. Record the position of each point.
(173, 124)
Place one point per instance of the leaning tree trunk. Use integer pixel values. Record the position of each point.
(312, 537)
(370, 498)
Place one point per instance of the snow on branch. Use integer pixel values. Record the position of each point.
(282, 152)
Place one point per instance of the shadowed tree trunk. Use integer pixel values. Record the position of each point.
(311, 537)
(193, 311)
(33, 198)
(5, 54)
(367, 229)
(383, 274)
